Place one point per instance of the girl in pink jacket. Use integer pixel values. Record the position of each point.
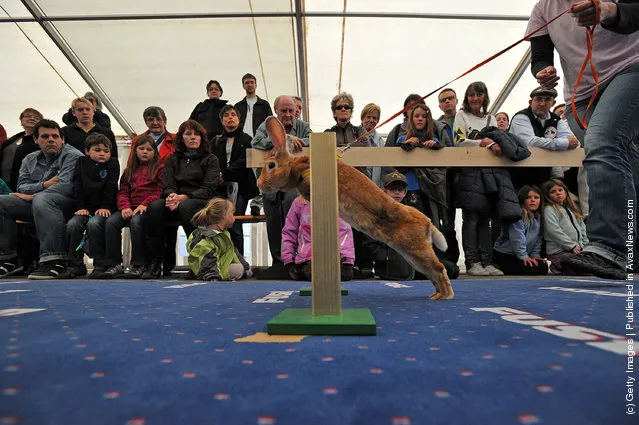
(296, 243)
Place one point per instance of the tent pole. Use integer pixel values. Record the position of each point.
(53, 33)
(301, 55)
(514, 78)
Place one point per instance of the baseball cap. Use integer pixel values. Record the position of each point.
(394, 177)
(540, 91)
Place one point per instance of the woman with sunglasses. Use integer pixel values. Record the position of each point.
(342, 106)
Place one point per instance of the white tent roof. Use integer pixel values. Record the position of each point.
(160, 52)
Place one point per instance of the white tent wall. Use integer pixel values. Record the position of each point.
(412, 46)
(167, 62)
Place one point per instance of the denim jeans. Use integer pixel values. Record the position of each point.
(476, 239)
(49, 212)
(612, 164)
(276, 206)
(112, 239)
(94, 227)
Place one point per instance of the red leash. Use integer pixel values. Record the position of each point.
(590, 39)
(589, 42)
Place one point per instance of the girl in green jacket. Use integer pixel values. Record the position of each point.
(212, 255)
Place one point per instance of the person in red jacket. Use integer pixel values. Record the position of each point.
(155, 120)
(3, 135)
(141, 184)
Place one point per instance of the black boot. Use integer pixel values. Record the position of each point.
(154, 270)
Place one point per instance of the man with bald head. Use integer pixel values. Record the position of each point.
(277, 204)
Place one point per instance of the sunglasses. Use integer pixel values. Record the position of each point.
(340, 107)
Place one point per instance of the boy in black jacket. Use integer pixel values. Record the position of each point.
(389, 265)
(95, 189)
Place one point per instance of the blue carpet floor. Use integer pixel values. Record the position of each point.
(165, 353)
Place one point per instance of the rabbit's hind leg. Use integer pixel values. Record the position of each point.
(425, 260)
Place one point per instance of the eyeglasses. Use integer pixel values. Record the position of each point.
(340, 107)
(446, 99)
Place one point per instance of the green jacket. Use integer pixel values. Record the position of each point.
(211, 253)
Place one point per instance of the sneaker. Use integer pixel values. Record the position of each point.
(73, 272)
(97, 272)
(49, 270)
(113, 272)
(153, 271)
(493, 271)
(134, 272)
(477, 270)
(595, 264)
(10, 267)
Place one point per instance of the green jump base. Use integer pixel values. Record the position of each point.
(300, 321)
(308, 291)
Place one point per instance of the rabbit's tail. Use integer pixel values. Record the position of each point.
(437, 238)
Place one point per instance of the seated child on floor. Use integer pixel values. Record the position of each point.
(296, 243)
(141, 184)
(389, 264)
(212, 255)
(518, 249)
(95, 189)
(564, 227)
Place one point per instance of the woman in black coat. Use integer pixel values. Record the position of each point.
(207, 112)
(233, 166)
(191, 177)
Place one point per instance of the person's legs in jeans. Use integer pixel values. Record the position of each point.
(75, 232)
(113, 238)
(485, 240)
(612, 166)
(272, 207)
(156, 215)
(470, 242)
(97, 241)
(50, 212)
(12, 208)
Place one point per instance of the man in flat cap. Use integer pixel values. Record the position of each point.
(539, 127)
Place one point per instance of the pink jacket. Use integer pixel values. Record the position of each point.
(296, 236)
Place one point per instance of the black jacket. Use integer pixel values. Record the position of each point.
(236, 170)
(196, 177)
(99, 118)
(389, 265)
(95, 185)
(207, 113)
(261, 111)
(28, 145)
(75, 136)
(490, 190)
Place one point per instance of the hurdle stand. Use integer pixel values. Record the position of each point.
(326, 317)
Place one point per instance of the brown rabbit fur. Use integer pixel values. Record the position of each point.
(365, 207)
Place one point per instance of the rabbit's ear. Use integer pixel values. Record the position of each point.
(276, 132)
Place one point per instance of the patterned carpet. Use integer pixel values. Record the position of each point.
(549, 351)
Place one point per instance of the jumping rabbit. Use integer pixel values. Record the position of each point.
(365, 207)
